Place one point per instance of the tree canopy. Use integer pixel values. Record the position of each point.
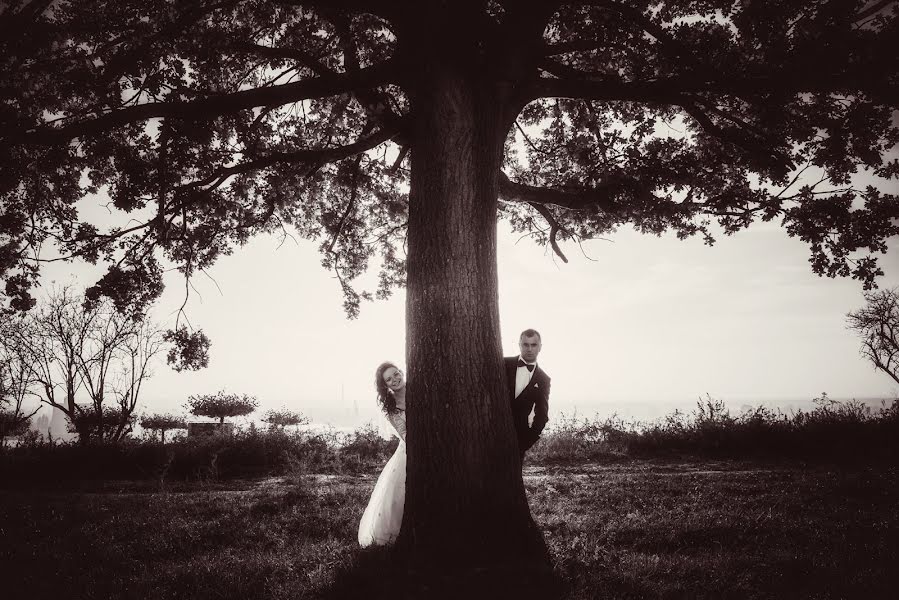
(208, 122)
(221, 405)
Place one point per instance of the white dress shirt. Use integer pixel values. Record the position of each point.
(523, 377)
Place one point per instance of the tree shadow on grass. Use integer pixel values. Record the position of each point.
(385, 573)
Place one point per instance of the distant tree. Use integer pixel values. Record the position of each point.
(16, 375)
(221, 405)
(283, 417)
(162, 423)
(86, 359)
(878, 325)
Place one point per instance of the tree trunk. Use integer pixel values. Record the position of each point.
(465, 503)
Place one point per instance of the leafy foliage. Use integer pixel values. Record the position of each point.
(189, 351)
(209, 122)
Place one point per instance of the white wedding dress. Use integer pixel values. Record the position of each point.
(380, 524)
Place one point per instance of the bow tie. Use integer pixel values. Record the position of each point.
(521, 363)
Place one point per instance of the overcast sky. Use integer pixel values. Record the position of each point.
(642, 326)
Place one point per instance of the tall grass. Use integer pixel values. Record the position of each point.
(832, 431)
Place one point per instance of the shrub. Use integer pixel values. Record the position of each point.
(365, 448)
(831, 431)
(13, 423)
(251, 453)
(571, 439)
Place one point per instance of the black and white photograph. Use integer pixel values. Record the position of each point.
(429, 299)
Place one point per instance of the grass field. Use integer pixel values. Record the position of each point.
(619, 529)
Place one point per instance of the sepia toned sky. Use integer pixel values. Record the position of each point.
(637, 325)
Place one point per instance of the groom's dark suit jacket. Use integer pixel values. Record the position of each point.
(534, 397)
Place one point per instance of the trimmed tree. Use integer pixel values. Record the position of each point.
(383, 126)
(283, 417)
(221, 405)
(162, 422)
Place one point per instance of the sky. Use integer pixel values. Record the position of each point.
(636, 326)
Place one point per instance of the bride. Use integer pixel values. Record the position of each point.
(381, 520)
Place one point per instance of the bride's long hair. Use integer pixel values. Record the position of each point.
(385, 396)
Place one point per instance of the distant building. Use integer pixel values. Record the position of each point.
(58, 428)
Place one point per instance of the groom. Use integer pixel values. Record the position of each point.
(529, 390)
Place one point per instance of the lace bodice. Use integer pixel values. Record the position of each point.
(398, 420)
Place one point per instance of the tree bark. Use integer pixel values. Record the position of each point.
(465, 503)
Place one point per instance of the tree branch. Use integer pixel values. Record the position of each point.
(316, 156)
(739, 137)
(669, 90)
(318, 87)
(869, 11)
(601, 196)
(293, 54)
(563, 71)
(554, 228)
(629, 13)
(350, 206)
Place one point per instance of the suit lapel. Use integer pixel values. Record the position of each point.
(536, 378)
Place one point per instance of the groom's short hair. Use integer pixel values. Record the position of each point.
(530, 333)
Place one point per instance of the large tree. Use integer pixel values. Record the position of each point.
(400, 130)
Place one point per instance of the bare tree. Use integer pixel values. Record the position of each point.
(15, 377)
(77, 349)
(136, 353)
(52, 338)
(105, 338)
(878, 325)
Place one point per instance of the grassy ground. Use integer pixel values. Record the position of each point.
(629, 529)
